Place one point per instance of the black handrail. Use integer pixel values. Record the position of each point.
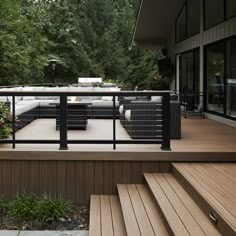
(63, 141)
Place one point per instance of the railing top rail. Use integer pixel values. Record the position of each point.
(86, 93)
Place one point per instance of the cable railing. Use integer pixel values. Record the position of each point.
(144, 119)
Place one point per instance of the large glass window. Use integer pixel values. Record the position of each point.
(231, 78)
(215, 78)
(231, 8)
(193, 17)
(188, 20)
(181, 25)
(214, 12)
(189, 77)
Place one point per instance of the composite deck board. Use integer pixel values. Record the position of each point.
(223, 206)
(152, 212)
(167, 209)
(105, 216)
(139, 211)
(202, 220)
(225, 169)
(130, 220)
(184, 214)
(117, 217)
(197, 135)
(95, 216)
(213, 188)
(219, 182)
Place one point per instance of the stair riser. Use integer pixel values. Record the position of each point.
(221, 226)
(159, 209)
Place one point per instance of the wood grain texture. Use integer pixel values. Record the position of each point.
(203, 186)
(203, 136)
(74, 180)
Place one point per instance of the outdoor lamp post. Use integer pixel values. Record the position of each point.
(54, 64)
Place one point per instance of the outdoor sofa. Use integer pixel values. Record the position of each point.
(29, 108)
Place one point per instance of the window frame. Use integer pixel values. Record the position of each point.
(225, 18)
(185, 5)
(205, 81)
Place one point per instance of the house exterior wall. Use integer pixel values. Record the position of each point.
(221, 31)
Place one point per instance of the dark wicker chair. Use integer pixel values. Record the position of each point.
(146, 120)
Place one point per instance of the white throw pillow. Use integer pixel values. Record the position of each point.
(128, 115)
(156, 99)
(121, 109)
(107, 98)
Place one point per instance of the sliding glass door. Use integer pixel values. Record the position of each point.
(231, 78)
(189, 77)
(221, 78)
(215, 78)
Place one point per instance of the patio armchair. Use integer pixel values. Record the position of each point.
(143, 119)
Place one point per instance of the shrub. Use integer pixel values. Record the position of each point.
(22, 207)
(5, 121)
(52, 208)
(3, 205)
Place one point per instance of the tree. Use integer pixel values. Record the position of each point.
(88, 37)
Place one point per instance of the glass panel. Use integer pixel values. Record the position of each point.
(181, 26)
(215, 78)
(231, 8)
(193, 17)
(214, 12)
(189, 77)
(196, 76)
(231, 78)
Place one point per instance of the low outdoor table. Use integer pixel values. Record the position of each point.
(77, 114)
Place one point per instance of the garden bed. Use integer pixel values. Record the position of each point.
(29, 212)
(79, 220)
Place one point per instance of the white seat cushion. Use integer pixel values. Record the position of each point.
(156, 99)
(121, 109)
(24, 106)
(99, 103)
(128, 115)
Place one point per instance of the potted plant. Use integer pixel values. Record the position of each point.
(5, 121)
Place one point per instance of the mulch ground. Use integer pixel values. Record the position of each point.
(78, 220)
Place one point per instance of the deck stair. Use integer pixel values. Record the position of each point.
(165, 204)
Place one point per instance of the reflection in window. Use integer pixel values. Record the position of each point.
(231, 78)
(181, 26)
(193, 21)
(231, 8)
(189, 77)
(215, 78)
(214, 12)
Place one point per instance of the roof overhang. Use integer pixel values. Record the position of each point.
(154, 22)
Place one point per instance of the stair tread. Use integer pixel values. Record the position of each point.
(140, 214)
(169, 212)
(105, 216)
(202, 220)
(181, 212)
(213, 193)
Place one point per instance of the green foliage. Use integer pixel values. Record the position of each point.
(5, 121)
(52, 208)
(90, 38)
(22, 207)
(3, 205)
(28, 207)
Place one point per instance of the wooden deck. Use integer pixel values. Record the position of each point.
(194, 200)
(214, 188)
(198, 135)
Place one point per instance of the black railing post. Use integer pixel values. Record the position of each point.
(63, 122)
(166, 122)
(114, 122)
(13, 122)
